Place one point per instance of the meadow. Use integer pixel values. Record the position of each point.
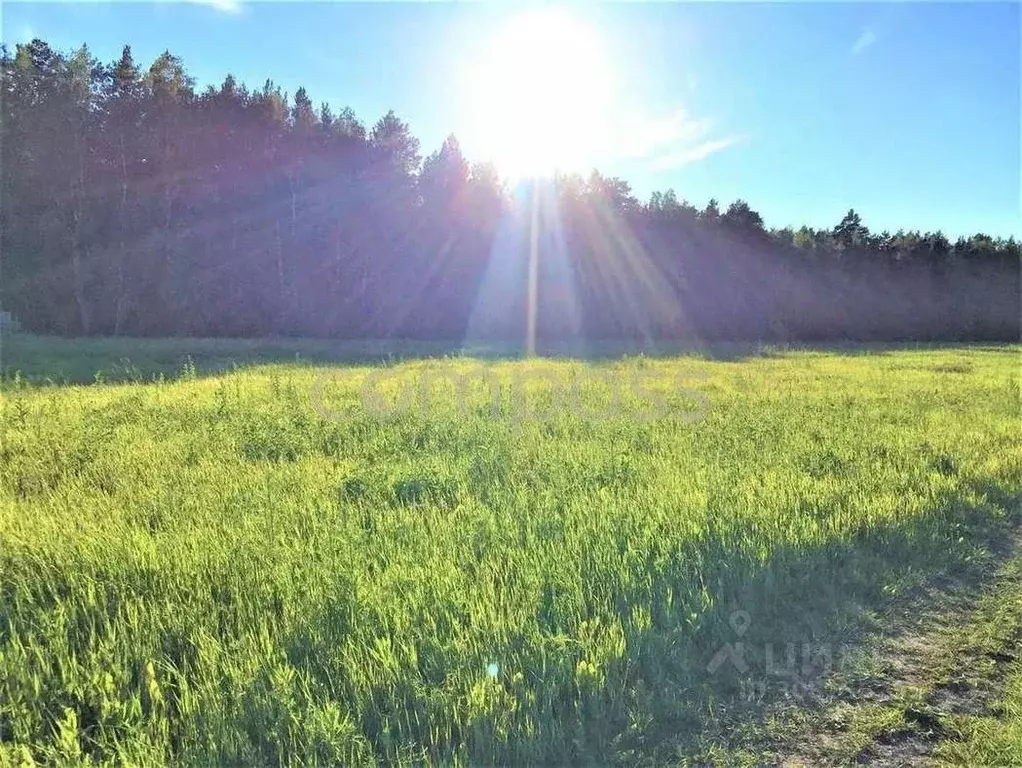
(218, 552)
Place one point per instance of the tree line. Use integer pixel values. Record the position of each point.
(133, 204)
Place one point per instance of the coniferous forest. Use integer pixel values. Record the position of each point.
(135, 204)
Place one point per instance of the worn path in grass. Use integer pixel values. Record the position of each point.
(940, 684)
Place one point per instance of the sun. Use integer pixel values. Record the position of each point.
(538, 98)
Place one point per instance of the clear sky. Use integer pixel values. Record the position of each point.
(907, 111)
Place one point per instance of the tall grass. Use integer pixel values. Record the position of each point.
(204, 569)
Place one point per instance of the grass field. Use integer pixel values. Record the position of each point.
(222, 559)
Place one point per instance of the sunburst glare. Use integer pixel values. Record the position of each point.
(539, 97)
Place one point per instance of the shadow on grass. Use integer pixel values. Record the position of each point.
(662, 690)
(695, 679)
(61, 361)
(783, 624)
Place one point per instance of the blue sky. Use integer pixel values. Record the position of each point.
(907, 111)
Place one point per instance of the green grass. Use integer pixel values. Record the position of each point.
(203, 569)
(993, 740)
(992, 736)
